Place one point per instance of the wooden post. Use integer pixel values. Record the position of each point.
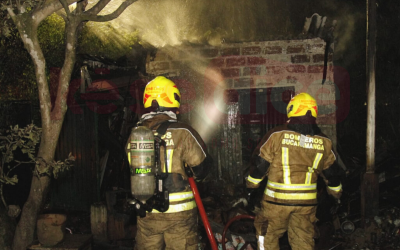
(370, 183)
(98, 222)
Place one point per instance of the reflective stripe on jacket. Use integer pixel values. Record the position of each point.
(295, 163)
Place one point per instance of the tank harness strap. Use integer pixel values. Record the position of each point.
(162, 129)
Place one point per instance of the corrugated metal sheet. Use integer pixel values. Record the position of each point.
(77, 189)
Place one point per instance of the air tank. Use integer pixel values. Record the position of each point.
(140, 151)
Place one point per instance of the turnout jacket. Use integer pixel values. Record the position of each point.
(295, 161)
(184, 148)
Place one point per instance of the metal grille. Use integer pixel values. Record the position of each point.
(250, 114)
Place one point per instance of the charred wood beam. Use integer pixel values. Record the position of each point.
(370, 184)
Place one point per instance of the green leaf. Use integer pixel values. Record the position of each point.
(11, 181)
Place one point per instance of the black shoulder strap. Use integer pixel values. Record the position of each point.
(162, 129)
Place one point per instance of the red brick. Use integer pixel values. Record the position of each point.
(209, 52)
(315, 47)
(251, 71)
(230, 52)
(243, 83)
(230, 72)
(295, 49)
(318, 58)
(161, 65)
(235, 61)
(315, 68)
(300, 58)
(273, 50)
(254, 50)
(296, 68)
(217, 62)
(291, 79)
(263, 84)
(256, 60)
(229, 83)
(275, 69)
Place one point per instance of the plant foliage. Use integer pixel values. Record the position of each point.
(26, 140)
(103, 39)
(15, 138)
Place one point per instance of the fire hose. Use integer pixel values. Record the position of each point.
(202, 212)
(238, 217)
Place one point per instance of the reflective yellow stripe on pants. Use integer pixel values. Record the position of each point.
(291, 196)
(296, 187)
(181, 196)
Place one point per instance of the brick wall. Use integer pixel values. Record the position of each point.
(204, 72)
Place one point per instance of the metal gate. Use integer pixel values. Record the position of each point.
(251, 113)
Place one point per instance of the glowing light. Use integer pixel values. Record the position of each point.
(72, 6)
(214, 105)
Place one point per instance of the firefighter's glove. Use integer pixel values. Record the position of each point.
(250, 197)
(335, 207)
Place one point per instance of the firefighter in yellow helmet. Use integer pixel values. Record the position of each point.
(291, 157)
(177, 227)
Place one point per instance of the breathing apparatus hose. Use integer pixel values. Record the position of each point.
(202, 212)
(238, 217)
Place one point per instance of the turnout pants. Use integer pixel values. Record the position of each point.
(174, 231)
(274, 220)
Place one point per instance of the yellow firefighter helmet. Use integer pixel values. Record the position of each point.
(300, 104)
(163, 91)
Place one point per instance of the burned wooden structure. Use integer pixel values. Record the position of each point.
(232, 94)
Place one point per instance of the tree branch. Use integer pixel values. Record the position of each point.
(11, 169)
(23, 6)
(11, 12)
(81, 6)
(4, 138)
(19, 7)
(3, 161)
(39, 4)
(97, 7)
(49, 8)
(111, 16)
(64, 17)
(19, 163)
(60, 105)
(2, 197)
(32, 45)
(65, 6)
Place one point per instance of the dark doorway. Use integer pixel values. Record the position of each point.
(260, 110)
